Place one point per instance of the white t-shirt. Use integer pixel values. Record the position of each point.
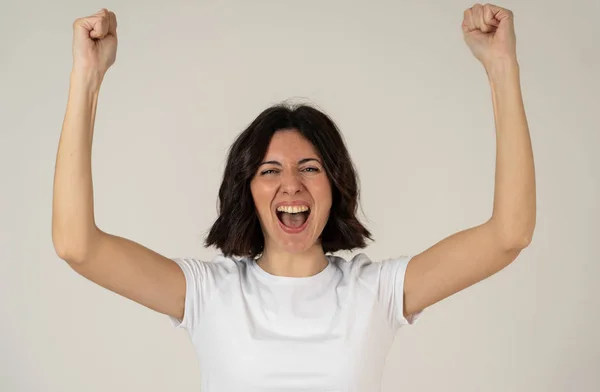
(254, 331)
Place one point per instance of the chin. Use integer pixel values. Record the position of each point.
(294, 243)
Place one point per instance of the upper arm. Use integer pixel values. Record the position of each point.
(135, 272)
(453, 264)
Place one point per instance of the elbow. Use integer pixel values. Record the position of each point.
(518, 243)
(512, 238)
(520, 238)
(68, 252)
(74, 249)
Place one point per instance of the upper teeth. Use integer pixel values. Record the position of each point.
(292, 209)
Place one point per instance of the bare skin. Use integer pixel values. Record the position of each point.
(144, 276)
(116, 263)
(292, 172)
(472, 255)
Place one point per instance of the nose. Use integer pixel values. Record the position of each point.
(290, 182)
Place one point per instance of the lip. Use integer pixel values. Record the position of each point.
(293, 203)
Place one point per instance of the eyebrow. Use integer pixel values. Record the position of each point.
(300, 162)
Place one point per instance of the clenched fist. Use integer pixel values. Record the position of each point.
(95, 42)
(489, 33)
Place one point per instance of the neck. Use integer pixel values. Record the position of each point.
(281, 263)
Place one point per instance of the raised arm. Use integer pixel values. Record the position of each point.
(115, 263)
(472, 255)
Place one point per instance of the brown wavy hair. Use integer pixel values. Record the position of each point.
(237, 230)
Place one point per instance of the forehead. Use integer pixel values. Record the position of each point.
(290, 145)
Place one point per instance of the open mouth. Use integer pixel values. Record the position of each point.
(293, 218)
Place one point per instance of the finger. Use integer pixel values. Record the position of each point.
(499, 13)
(100, 24)
(113, 23)
(489, 17)
(476, 15)
(468, 24)
(481, 21)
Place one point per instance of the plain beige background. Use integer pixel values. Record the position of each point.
(415, 108)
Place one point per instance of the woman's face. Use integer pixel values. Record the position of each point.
(292, 193)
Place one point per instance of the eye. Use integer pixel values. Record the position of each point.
(268, 171)
(311, 169)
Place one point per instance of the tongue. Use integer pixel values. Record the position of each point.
(293, 220)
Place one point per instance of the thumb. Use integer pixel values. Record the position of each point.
(494, 14)
(95, 26)
(100, 24)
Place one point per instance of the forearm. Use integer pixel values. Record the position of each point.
(514, 209)
(73, 224)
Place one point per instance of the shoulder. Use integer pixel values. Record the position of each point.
(204, 278)
(354, 265)
(362, 263)
(217, 267)
(369, 271)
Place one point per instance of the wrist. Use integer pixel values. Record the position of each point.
(88, 79)
(503, 72)
(502, 69)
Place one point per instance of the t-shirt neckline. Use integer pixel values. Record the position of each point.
(321, 276)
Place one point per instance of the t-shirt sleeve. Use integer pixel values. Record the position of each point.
(391, 290)
(202, 280)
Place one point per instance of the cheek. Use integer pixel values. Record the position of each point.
(322, 193)
(262, 195)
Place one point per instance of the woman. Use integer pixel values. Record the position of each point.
(276, 311)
